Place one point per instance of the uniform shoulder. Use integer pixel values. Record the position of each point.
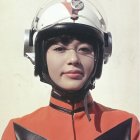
(110, 118)
(30, 121)
(117, 113)
(35, 116)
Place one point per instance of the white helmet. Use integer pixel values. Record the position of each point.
(58, 17)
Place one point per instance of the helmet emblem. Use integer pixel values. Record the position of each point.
(74, 7)
(77, 5)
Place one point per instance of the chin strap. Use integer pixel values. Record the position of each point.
(86, 107)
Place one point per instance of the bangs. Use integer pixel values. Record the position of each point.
(67, 39)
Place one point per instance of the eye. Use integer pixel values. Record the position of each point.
(85, 50)
(59, 49)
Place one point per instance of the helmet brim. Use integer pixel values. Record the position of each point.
(74, 29)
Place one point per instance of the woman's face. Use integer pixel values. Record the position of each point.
(70, 65)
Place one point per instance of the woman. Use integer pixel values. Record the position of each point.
(70, 48)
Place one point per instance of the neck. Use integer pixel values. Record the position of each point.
(70, 97)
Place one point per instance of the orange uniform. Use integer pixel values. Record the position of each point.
(63, 121)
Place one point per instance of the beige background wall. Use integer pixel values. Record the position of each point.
(21, 93)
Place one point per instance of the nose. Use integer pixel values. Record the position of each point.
(73, 58)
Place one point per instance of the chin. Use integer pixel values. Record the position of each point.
(72, 87)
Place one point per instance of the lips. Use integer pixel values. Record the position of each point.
(74, 74)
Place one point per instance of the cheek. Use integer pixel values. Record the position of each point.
(54, 66)
(88, 66)
(51, 65)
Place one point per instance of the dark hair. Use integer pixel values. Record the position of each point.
(66, 39)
